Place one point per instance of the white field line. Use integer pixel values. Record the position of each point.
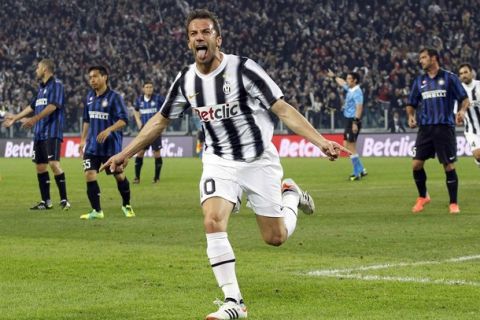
(405, 279)
(352, 273)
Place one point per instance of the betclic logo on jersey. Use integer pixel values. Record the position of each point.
(218, 112)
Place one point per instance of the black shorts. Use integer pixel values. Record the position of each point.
(436, 139)
(91, 162)
(348, 134)
(46, 150)
(156, 144)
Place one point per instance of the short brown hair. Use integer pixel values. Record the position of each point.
(203, 14)
(49, 65)
(431, 53)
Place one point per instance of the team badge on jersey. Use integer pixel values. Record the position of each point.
(45, 91)
(441, 82)
(105, 103)
(226, 87)
(152, 103)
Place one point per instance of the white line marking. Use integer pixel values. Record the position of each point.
(390, 265)
(350, 272)
(406, 279)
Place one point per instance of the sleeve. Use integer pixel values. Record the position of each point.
(175, 102)
(459, 91)
(86, 115)
(56, 95)
(358, 97)
(32, 102)
(414, 97)
(121, 112)
(136, 104)
(260, 85)
(345, 87)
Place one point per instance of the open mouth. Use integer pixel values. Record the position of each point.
(201, 51)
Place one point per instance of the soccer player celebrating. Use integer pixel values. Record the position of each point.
(436, 91)
(232, 96)
(472, 117)
(104, 116)
(146, 106)
(48, 108)
(352, 112)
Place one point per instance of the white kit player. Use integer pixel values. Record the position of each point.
(232, 97)
(472, 116)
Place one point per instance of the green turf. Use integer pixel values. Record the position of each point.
(55, 266)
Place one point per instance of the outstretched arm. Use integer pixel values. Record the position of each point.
(151, 130)
(341, 82)
(11, 119)
(298, 124)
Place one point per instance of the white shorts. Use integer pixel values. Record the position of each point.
(473, 140)
(260, 180)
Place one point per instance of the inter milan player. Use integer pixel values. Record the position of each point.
(436, 91)
(104, 116)
(48, 109)
(232, 97)
(146, 106)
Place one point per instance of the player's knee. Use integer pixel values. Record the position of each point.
(213, 223)
(477, 161)
(275, 240)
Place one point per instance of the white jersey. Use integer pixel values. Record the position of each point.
(472, 118)
(232, 102)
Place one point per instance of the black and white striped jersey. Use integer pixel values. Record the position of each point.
(232, 102)
(472, 123)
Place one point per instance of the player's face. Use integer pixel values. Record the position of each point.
(425, 61)
(40, 71)
(148, 89)
(350, 81)
(204, 41)
(97, 81)
(465, 75)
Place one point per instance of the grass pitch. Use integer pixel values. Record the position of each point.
(362, 256)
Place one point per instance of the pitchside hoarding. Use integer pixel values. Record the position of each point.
(173, 146)
(368, 145)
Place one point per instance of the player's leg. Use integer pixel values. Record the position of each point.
(349, 142)
(138, 166)
(40, 158)
(423, 150)
(156, 147)
(446, 149)
(54, 163)
(476, 156)
(219, 194)
(91, 164)
(474, 143)
(123, 187)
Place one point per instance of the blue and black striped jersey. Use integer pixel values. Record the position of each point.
(437, 98)
(101, 112)
(51, 126)
(148, 108)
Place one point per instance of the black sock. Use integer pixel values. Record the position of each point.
(452, 185)
(158, 167)
(420, 178)
(124, 188)
(62, 186)
(138, 166)
(44, 185)
(93, 192)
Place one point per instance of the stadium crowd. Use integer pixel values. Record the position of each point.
(296, 41)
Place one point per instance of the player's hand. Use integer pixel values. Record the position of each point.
(354, 128)
(412, 122)
(460, 117)
(29, 122)
(102, 136)
(8, 121)
(330, 74)
(332, 149)
(81, 146)
(116, 163)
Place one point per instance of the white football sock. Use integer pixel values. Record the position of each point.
(222, 260)
(290, 200)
